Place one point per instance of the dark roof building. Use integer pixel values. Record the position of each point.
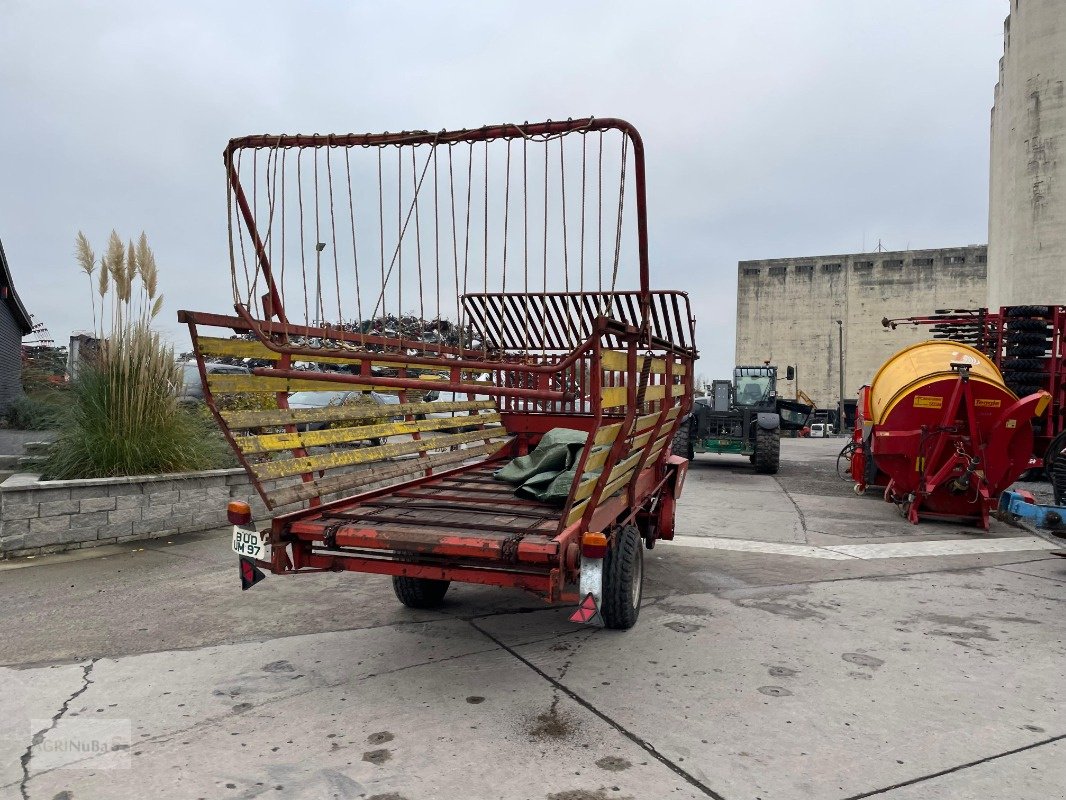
(14, 324)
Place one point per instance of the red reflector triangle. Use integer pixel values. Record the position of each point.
(586, 611)
(250, 574)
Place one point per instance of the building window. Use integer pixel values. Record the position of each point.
(923, 262)
(831, 267)
(892, 263)
(981, 259)
(955, 260)
(864, 265)
(778, 270)
(751, 270)
(805, 269)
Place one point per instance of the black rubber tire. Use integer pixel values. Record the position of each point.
(1026, 351)
(1022, 365)
(1024, 389)
(767, 451)
(682, 445)
(1023, 337)
(1055, 456)
(623, 579)
(1034, 325)
(1024, 377)
(1026, 311)
(419, 592)
(1058, 481)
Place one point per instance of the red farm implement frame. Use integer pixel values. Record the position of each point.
(454, 296)
(1028, 345)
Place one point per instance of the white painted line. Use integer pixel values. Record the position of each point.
(847, 552)
(753, 546)
(955, 547)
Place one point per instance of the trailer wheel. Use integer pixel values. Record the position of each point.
(1056, 452)
(767, 451)
(682, 445)
(419, 592)
(623, 579)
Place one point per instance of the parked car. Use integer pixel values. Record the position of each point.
(820, 430)
(192, 388)
(323, 399)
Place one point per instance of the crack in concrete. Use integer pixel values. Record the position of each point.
(645, 745)
(38, 737)
(795, 505)
(957, 768)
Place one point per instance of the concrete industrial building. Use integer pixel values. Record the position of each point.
(787, 310)
(1027, 185)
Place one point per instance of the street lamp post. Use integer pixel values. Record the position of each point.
(840, 410)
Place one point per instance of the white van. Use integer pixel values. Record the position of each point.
(820, 430)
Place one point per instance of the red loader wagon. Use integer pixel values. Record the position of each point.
(441, 302)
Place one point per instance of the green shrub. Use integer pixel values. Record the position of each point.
(37, 412)
(124, 416)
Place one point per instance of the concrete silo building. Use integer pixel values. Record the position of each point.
(1027, 192)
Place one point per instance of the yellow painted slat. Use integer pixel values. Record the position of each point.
(597, 459)
(613, 396)
(295, 466)
(645, 422)
(617, 360)
(623, 467)
(584, 489)
(235, 384)
(351, 480)
(290, 441)
(640, 441)
(267, 418)
(614, 360)
(576, 512)
(607, 434)
(244, 348)
(654, 393)
(657, 448)
(677, 389)
(612, 487)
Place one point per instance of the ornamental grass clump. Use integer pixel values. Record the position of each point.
(124, 416)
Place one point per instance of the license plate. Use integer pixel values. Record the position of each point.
(250, 544)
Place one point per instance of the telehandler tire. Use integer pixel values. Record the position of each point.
(767, 451)
(419, 592)
(682, 445)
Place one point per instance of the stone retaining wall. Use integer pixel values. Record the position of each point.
(39, 517)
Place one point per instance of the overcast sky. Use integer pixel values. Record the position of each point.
(772, 129)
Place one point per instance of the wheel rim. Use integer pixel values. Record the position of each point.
(638, 579)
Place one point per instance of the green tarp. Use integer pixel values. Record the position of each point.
(547, 473)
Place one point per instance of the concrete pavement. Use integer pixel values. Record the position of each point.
(751, 673)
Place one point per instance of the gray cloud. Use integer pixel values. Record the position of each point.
(772, 128)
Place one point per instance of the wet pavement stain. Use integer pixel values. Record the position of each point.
(240, 708)
(798, 610)
(863, 660)
(782, 672)
(684, 610)
(387, 796)
(381, 737)
(377, 757)
(278, 666)
(475, 699)
(586, 794)
(775, 691)
(683, 627)
(613, 763)
(551, 724)
(862, 676)
(965, 628)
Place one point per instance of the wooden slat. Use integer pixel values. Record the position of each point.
(576, 512)
(366, 455)
(639, 441)
(657, 447)
(290, 441)
(645, 422)
(614, 396)
(234, 384)
(244, 348)
(596, 459)
(607, 434)
(623, 467)
(288, 495)
(616, 360)
(584, 489)
(238, 420)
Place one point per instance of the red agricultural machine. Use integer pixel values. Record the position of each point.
(942, 432)
(1028, 345)
(478, 264)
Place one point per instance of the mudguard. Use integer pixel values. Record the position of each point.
(769, 421)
